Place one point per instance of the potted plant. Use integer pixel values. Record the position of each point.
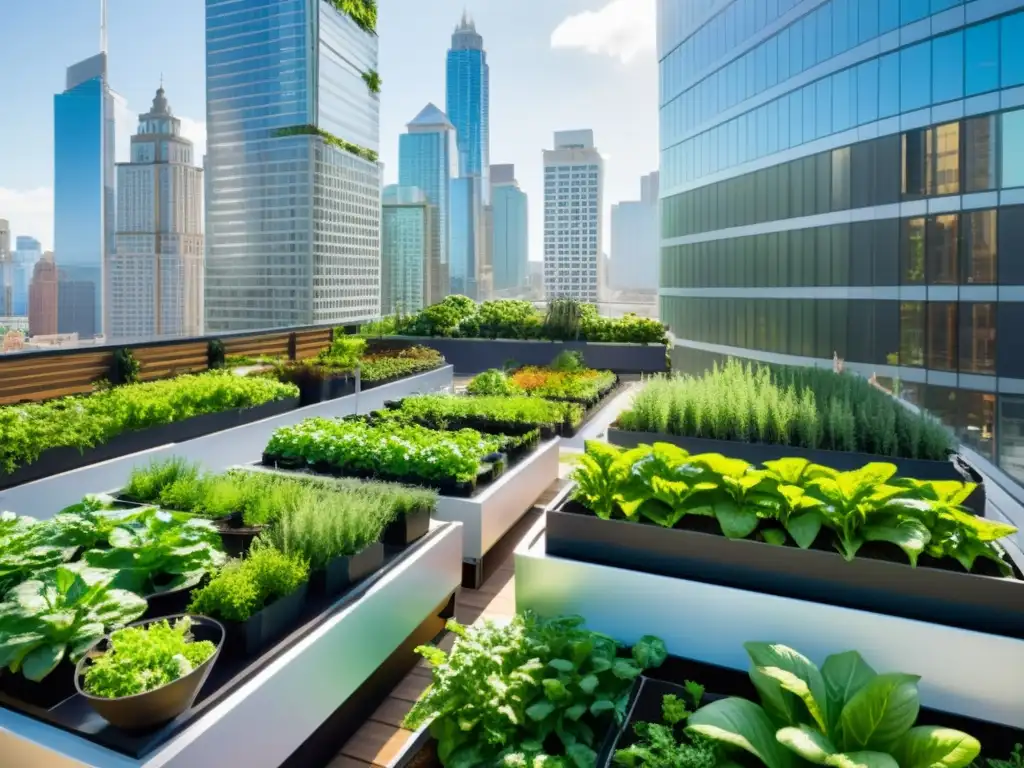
(47, 623)
(150, 672)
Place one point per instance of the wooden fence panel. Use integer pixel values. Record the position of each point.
(170, 360)
(32, 378)
(274, 345)
(310, 343)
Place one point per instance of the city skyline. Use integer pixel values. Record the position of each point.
(586, 51)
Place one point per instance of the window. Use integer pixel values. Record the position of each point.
(915, 177)
(980, 154)
(916, 76)
(912, 251)
(912, 333)
(1012, 50)
(912, 10)
(977, 337)
(948, 67)
(941, 336)
(979, 248)
(944, 164)
(982, 54)
(889, 83)
(1011, 435)
(942, 248)
(1013, 148)
(841, 179)
(977, 419)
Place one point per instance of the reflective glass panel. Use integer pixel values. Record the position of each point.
(982, 58)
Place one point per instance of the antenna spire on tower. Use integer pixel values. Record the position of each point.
(103, 26)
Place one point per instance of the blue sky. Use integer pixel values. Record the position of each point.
(555, 65)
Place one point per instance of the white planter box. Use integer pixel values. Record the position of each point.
(216, 452)
(963, 672)
(265, 720)
(490, 514)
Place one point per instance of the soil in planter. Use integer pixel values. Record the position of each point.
(56, 687)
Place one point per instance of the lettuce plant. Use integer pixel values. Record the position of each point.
(661, 745)
(60, 615)
(844, 715)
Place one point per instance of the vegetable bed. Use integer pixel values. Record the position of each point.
(577, 385)
(508, 415)
(793, 529)
(39, 440)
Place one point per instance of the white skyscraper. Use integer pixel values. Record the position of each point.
(156, 275)
(636, 242)
(573, 205)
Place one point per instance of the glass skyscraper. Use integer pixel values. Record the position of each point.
(83, 194)
(510, 249)
(293, 214)
(428, 160)
(26, 255)
(406, 243)
(846, 178)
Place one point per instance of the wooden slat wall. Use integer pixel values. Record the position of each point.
(170, 360)
(34, 378)
(275, 345)
(310, 343)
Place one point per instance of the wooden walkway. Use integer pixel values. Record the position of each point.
(382, 738)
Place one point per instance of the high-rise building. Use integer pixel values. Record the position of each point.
(573, 216)
(510, 247)
(428, 160)
(6, 270)
(42, 298)
(156, 274)
(468, 104)
(406, 246)
(83, 192)
(27, 252)
(854, 191)
(636, 244)
(293, 216)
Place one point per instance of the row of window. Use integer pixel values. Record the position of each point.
(947, 249)
(974, 155)
(899, 82)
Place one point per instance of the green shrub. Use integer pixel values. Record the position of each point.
(242, 588)
(492, 382)
(437, 411)
(568, 362)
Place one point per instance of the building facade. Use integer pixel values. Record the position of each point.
(407, 243)
(846, 179)
(573, 216)
(83, 192)
(510, 236)
(293, 214)
(467, 274)
(156, 273)
(27, 253)
(42, 298)
(6, 269)
(636, 243)
(428, 160)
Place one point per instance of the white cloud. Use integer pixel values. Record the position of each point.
(30, 212)
(622, 29)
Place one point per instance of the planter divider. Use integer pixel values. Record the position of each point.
(248, 639)
(343, 572)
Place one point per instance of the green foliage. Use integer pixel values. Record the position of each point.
(362, 12)
(492, 382)
(81, 422)
(504, 695)
(242, 588)
(664, 745)
(372, 80)
(215, 354)
(159, 551)
(584, 385)
(844, 714)
(662, 484)
(59, 614)
(563, 320)
(330, 138)
(1016, 759)
(490, 414)
(126, 367)
(568, 362)
(805, 407)
(386, 450)
(396, 363)
(141, 659)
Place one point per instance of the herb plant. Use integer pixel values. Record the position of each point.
(664, 745)
(494, 383)
(244, 587)
(396, 363)
(141, 659)
(537, 692)
(59, 615)
(843, 714)
(490, 414)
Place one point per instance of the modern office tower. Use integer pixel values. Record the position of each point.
(76, 308)
(42, 298)
(26, 253)
(407, 244)
(866, 200)
(573, 216)
(468, 105)
(83, 192)
(428, 160)
(636, 244)
(509, 245)
(293, 216)
(6, 270)
(156, 274)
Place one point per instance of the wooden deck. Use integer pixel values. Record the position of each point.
(382, 738)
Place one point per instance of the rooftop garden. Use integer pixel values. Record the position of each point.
(330, 138)
(362, 12)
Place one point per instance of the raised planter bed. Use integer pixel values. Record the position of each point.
(758, 453)
(257, 712)
(478, 355)
(58, 460)
(963, 672)
(985, 603)
(315, 390)
(366, 385)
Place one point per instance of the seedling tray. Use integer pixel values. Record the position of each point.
(971, 601)
(228, 674)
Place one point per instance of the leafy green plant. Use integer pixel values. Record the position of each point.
(372, 80)
(160, 551)
(59, 615)
(664, 745)
(528, 693)
(844, 714)
(1016, 759)
(489, 414)
(242, 588)
(126, 367)
(563, 319)
(492, 382)
(392, 364)
(330, 138)
(582, 385)
(141, 659)
(568, 362)
(362, 12)
(214, 354)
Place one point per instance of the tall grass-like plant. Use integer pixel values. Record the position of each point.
(805, 407)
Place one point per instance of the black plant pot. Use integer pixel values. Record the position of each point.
(407, 528)
(47, 693)
(235, 536)
(343, 572)
(248, 639)
(163, 704)
(171, 602)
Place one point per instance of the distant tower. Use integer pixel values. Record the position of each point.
(406, 242)
(156, 275)
(510, 250)
(42, 298)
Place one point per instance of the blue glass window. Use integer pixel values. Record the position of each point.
(888, 16)
(824, 23)
(982, 43)
(796, 118)
(1013, 50)
(867, 92)
(867, 20)
(751, 77)
(1013, 149)
(941, 5)
(760, 68)
(810, 42)
(912, 10)
(915, 76)
(761, 121)
(810, 125)
(823, 107)
(842, 96)
(785, 136)
(948, 67)
(841, 31)
(796, 48)
(772, 54)
(784, 54)
(773, 126)
(889, 85)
